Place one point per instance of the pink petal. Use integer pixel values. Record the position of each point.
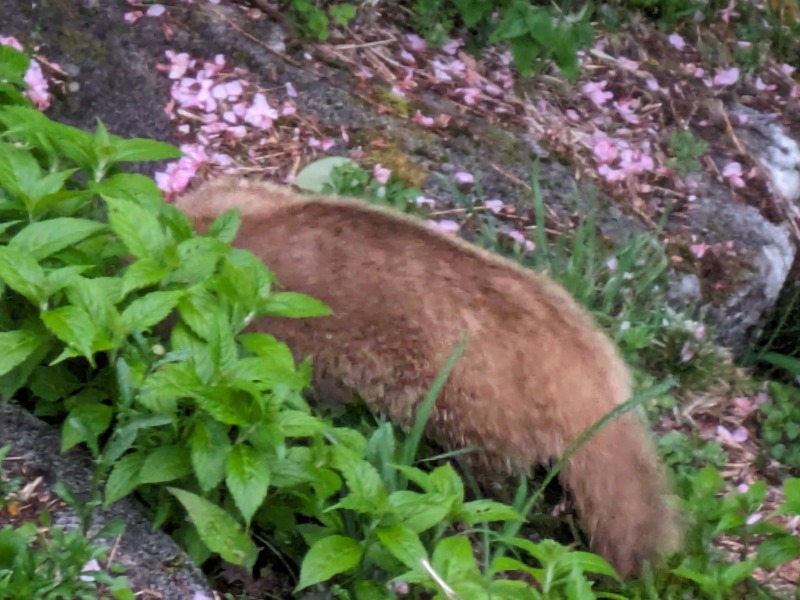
(445, 226)
(726, 77)
(494, 205)
(156, 10)
(133, 16)
(676, 41)
(463, 177)
(381, 174)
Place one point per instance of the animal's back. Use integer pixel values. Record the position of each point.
(535, 374)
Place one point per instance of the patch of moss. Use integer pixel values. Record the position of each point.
(82, 45)
(390, 156)
(401, 105)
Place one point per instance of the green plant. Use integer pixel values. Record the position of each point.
(685, 149)
(313, 20)
(344, 177)
(735, 514)
(780, 428)
(43, 562)
(534, 33)
(685, 453)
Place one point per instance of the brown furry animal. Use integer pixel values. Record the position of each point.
(535, 374)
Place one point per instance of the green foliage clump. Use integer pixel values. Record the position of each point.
(314, 18)
(535, 33)
(684, 150)
(47, 563)
(780, 429)
(686, 453)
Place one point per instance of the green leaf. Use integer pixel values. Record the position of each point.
(791, 489)
(144, 312)
(16, 346)
(141, 274)
(218, 530)
(328, 557)
(210, 447)
(295, 423)
(123, 437)
(453, 559)
(778, 550)
(124, 477)
(85, 423)
(19, 169)
(588, 563)
(313, 177)
(367, 491)
(225, 226)
(138, 149)
(166, 463)
(20, 272)
(403, 544)
(73, 326)
(45, 238)
(525, 52)
(200, 311)
(137, 227)
(343, 13)
(13, 65)
(486, 511)
(419, 512)
(247, 478)
(292, 304)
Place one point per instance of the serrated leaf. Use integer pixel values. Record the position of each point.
(15, 347)
(225, 226)
(486, 511)
(73, 326)
(419, 512)
(166, 463)
(13, 64)
(293, 304)
(19, 169)
(124, 477)
(137, 227)
(453, 559)
(295, 423)
(141, 274)
(84, 423)
(403, 544)
(20, 272)
(313, 177)
(139, 149)
(123, 437)
(199, 311)
(45, 238)
(210, 447)
(367, 490)
(144, 312)
(328, 557)
(247, 478)
(778, 550)
(218, 530)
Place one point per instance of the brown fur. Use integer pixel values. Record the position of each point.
(535, 374)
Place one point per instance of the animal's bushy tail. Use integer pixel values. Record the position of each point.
(621, 491)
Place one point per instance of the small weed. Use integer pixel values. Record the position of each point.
(685, 149)
(313, 20)
(686, 453)
(780, 429)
